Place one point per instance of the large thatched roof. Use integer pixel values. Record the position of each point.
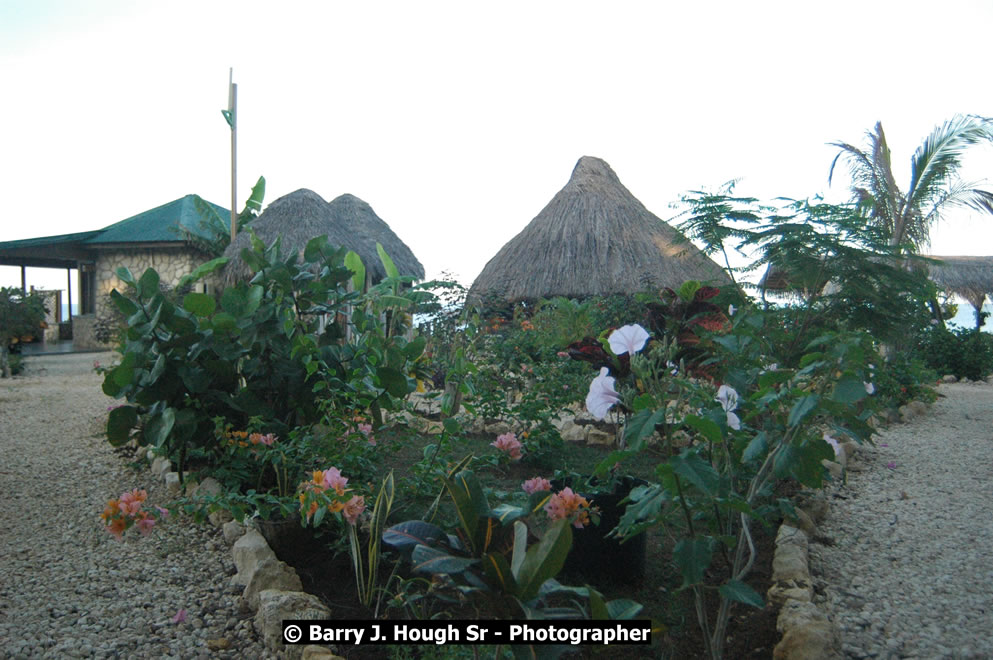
(346, 221)
(969, 277)
(594, 238)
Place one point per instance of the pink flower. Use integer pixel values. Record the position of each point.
(891, 466)
(567, 504)
(162, 512)
(180, 616)
(353, 509)
(562, 354)
(602, 396)
(535, 485)
(145, 524)
(628, 339)
(555, 508)
(130, 502)
(509, 444)
(334, 480)
(366, 430)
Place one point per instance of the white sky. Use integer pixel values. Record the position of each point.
(459, 121)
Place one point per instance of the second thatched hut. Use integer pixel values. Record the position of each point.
(969, 277)
(347, 221)
(593, 239)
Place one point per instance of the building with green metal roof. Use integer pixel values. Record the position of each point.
(153, 238)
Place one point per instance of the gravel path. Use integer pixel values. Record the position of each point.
(68, 588)
(907, 567)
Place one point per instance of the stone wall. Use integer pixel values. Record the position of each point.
(170, 263)
(84, 332)
(53, 302)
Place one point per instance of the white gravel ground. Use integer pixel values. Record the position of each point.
(68, 589)
(907, 567)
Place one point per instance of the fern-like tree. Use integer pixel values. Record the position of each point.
(907, 216)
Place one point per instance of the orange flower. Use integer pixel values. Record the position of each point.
(112, 509)
(117, 527)
(567, 504)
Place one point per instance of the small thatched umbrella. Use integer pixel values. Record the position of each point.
(593, 239)
(347, 221)
(969, 277)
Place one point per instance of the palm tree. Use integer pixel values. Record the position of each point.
(907, 217)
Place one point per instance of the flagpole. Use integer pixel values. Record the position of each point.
(232, 117)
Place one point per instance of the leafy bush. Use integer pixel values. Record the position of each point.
(20, 315)
(904, 378)
(274, 349)
(707, 382)
(963, 353)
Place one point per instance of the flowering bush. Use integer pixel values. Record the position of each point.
(490, 564)
(509, 445)
(711, 378)
(536, 485)
(567, 505)
(128, 511)
(327, 492)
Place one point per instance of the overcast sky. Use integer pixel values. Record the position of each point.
(459, 121)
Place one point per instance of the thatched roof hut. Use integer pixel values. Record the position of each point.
(594, 238)
(346, 221)
(969, 277)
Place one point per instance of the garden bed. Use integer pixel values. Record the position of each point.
(326, 571)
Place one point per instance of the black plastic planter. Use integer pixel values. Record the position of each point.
(599, 559)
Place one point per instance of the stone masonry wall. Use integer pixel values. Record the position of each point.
(170, 263)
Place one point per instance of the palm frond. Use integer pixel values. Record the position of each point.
(937, 161)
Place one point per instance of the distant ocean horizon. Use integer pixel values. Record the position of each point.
(965, 317)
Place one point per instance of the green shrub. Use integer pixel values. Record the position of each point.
(904, 378)
(273, 349)
(963, 353)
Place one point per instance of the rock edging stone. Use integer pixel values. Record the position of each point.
(807, 632)
(272, 588)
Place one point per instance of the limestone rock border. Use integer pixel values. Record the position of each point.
(273, 590)
(807, 632)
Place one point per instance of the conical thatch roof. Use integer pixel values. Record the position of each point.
(347, 221)
(365, 229)
(594, 238)
(969, 277)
